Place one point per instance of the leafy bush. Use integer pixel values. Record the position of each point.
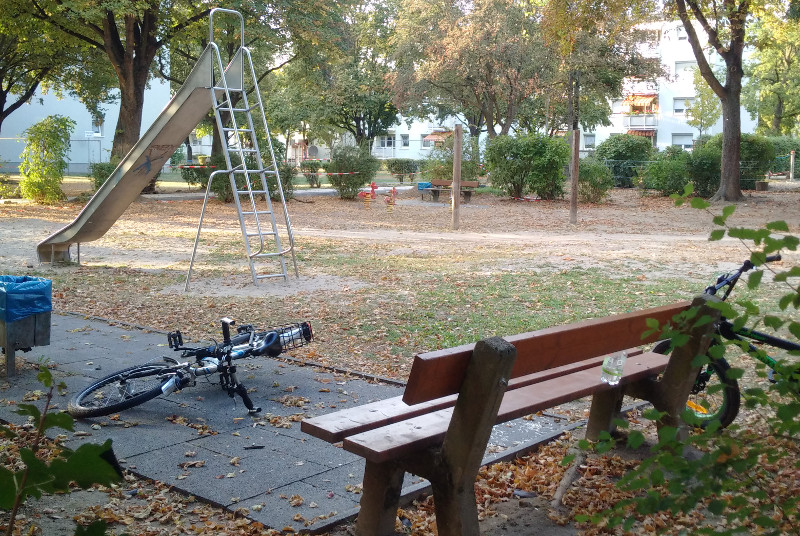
(346, 160)
(439, 163)
(756, 157)
(533, 163)
(624, 155)
(7, 189)
(669, 173)
(705, 169)
(310, 169)
(594, 180)
(101, 171)
(44, 159)
(178, 157)
(400, 167)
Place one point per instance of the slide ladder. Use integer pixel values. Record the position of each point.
(239, 113)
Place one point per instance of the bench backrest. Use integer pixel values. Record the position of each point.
(449, 184)
(441, 372)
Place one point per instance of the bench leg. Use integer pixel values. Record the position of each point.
(380, 499)
(606, 405)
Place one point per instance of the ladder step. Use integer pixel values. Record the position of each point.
(254, 192)
(237, 129)
(251, 235)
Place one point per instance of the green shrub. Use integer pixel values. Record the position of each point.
(310, 170)
(669, 173)
(44, 159)
(401, 167)
(533, 163)
(101, 171)
(756, 155)
(351, 168)
(178, 157)
(624, 156)
(439, 163)
(594, 180)
(705, 169)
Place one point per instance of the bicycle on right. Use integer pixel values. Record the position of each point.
(715, 396)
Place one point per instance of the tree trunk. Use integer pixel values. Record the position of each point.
(777, 118)
(730, 184)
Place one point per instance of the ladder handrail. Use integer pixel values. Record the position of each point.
(231, 12)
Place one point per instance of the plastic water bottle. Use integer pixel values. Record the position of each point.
(612, 368)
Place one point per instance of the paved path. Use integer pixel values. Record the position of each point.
(250, 462)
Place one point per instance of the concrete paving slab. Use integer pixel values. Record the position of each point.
(263, 463)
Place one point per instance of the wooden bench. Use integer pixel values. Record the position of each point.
(439, 185)
(439, 429)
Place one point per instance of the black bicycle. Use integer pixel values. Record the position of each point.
(136, 385)
(715, 396)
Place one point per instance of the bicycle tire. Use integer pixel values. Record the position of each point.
(715, 404)
(93, 401)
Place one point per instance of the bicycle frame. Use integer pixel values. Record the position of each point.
(726, 329)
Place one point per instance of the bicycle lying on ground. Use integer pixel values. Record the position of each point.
(715, 396)
(136, 385)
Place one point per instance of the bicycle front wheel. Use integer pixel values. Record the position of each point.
(714, 396)
(120, 391)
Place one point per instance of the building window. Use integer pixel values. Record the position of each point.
(97, 126)
(684, 67)
(680, 104)
(682, 34)
(588, 141)
(404, 141)
(426, 143)
(616, 106)
(682, 140)
(386, 141)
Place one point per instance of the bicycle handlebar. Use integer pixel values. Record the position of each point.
(729, 280)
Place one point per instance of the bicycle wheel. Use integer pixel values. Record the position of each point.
(714, 396)
(120, 391)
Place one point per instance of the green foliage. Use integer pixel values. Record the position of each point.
(44, 159)
(101, 171)
(8, 190)
(783, 146)
(349, 159)
(706, 109)
(669, 173)
(439, 163)
(401, 167)
(756, 156)
(178, 157)
(533, 163)
(594, 180)
(743, 476)
(624, 155)
(86, 466)
(705, 168)
(310, 170)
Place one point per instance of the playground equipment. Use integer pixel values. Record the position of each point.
(232, 92)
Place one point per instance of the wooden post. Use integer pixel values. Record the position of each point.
(573, 172)
(465, 443)
(380, 497)
(670, 392)
(605, 408)
(456, 193)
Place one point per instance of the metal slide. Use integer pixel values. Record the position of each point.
(181, 115)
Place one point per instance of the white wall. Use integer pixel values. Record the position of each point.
(87, 145)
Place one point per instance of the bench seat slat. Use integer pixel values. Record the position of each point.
(334, 427)
(411, 435)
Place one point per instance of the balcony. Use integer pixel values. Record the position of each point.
(640, 121)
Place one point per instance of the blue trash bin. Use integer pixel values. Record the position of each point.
(23, 296)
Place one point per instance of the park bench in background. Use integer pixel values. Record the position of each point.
(440, 427)
(439, 185)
